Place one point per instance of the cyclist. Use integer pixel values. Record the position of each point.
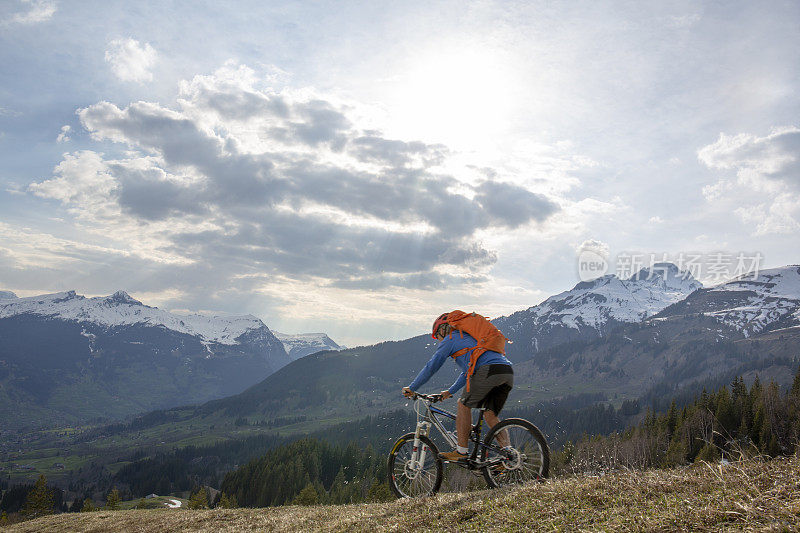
(492, 380)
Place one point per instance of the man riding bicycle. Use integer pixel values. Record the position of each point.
(491, 381)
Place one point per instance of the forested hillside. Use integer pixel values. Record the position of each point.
(756, 420)
(345, 463)
(730, 423)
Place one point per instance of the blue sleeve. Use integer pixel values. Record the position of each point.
(460, 382)
(442, 353)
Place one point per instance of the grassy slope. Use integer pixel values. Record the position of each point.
(750, 496)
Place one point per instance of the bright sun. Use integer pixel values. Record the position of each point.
(458, 97)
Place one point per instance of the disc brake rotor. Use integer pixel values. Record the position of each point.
(514, 461)
(411, 469)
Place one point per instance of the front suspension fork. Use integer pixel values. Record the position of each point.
(419, 450)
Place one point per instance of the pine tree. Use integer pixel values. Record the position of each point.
(113, 500)
(725, 411)
(793, 407)
(738, 388)
(39, 501)
(795, 391)
(307, 496)
(338, 488)
(709, 453)
(227, 502)
(76, 506)
(672, 419)
(380, 492)
(704, 402)
(755, 392)
(88, 506)
(199, 500)
(772, 447)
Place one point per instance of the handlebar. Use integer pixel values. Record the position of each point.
(433, 398)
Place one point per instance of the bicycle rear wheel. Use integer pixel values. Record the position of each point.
(519, 452)
(409, 476)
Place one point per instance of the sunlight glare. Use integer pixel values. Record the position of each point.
(458, 97)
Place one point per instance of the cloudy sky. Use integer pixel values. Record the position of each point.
(359, 167)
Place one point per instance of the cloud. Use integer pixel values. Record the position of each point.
(392, 152)
(512, 205)
(773, 157)
(64, 135)
(39, 11)
(250, 181)
(767, 177)
(130, 60)
(684, 21)
(8, 112)
(777, 216)
(593, 245)
(426, 281)
(82, 181)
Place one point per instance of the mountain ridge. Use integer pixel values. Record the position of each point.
(748, 304)
(120, 309)
(592, 308)
(331, 381)
(66, 359)
(301, 344)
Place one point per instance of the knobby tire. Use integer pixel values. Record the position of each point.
(530, 459)
(429, 480)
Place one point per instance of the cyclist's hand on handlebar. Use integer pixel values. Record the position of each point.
(445, 394)
(408, 393)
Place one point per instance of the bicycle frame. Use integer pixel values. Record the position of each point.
(428, 418)
(425, 420)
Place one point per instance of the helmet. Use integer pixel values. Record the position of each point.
(438, 322)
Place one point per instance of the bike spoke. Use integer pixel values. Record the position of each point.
(527, 462)
(415, 481)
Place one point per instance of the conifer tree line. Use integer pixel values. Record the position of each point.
(35, 499)
(26, 502)
(186, 468)
(310, 471)
(731, 423)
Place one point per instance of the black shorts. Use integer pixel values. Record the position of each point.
(489, 387)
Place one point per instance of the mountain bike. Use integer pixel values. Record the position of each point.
(514, 451)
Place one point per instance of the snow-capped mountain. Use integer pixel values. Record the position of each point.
(748, 304)
(303, 344)
(592, 308)
(65, 355)
(120, 309)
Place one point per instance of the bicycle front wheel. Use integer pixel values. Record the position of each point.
(517, 451)
(413, 472)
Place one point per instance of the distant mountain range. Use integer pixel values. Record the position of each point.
(68, 358)
(621, 339)
(592, 309)
(303, 344)
(747, 306)
(625, 338)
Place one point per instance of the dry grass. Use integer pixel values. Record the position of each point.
(750, 496)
